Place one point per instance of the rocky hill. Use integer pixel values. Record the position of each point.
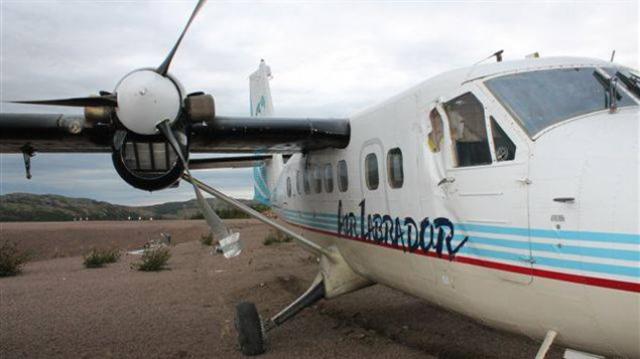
(33, 207)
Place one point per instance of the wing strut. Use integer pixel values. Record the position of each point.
(307, 244)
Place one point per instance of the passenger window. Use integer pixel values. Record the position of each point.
(288, 186)
(343, 176)
(437, 131)
(505, 149)
(317, 179)
(328, 178)
(371, 170)
(468, 131)
(298, 182)
(394, 168)
(307, 185)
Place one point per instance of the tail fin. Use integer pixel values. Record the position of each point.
(259, 91)
(265, 176)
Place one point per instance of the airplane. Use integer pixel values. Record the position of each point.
(507, 192)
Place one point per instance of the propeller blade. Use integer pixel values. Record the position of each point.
(96, 101)
(164, 67)
(218, 229)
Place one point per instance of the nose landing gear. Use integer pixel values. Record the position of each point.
(252, 330)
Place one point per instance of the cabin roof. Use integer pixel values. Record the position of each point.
(446, 82)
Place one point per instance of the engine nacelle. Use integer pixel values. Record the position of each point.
(147, 162)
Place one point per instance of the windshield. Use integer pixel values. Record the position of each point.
(539, 99)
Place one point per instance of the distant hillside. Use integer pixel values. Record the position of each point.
(16, 207)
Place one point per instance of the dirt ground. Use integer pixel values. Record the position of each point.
(59, 309)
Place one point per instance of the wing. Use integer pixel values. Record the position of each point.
(265, 134)
(65, 133)
(51, 133)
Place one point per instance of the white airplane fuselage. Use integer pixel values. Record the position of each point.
(547, 239)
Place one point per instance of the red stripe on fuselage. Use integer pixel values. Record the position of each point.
(566, 277)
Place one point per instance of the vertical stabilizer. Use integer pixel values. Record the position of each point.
(265, 176)
(259, 91)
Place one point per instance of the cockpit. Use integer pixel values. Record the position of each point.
(476, 125)
(541, 99)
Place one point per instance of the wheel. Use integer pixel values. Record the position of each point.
(249, 327)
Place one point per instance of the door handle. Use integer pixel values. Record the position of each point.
(564, 199)
(446, 180)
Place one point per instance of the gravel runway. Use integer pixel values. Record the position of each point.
(59, 309)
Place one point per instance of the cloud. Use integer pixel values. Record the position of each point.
(328, 58)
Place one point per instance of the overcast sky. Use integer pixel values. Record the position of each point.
(327, 58)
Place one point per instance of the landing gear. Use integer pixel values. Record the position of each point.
(335, 278)
(251, 329)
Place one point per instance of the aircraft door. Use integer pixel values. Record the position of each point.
(486, 185)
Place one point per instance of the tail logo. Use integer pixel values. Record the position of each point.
(260, 106)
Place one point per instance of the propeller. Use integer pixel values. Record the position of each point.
(164, 67)
(142, 97)
(147, 101)
(229, 242)
(92, 101)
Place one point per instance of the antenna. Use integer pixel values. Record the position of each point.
(613, 54)
(498, 56)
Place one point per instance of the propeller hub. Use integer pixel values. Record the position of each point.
(146, 98)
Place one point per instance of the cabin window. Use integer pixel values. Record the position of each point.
(288, 186)
(328, 178)
(343, 176)
(307, 184)
(298, 182)
(317, 179)
(371, 170)
(504, 148)
(468, 131)
(437, 131)
(395, 171)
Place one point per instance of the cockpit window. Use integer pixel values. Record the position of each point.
(539, 99)
(468, 131)
(504, 148)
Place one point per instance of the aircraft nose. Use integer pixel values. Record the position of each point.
(598, 158)
(609, 179)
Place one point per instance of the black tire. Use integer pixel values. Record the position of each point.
(249, 327)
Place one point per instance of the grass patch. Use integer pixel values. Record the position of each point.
(206, 240)
(276, 237)
(97, 258)
(11, 259)
(153, 259)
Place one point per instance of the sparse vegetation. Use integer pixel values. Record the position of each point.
(275, 237)
(97, 258)
(260, 207)
(207, 239)
(153, 259)
(11, 259)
